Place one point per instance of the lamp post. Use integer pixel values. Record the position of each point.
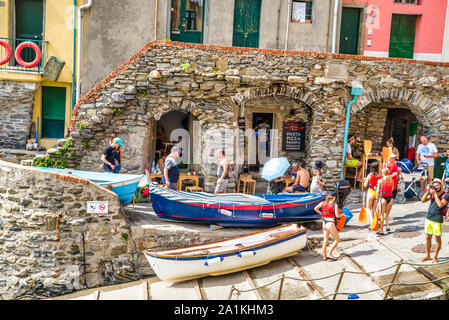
(356, 90)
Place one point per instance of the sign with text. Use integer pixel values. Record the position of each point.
(241, 136)
(293, 136)
(97, 207)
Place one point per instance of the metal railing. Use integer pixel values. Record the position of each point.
(341, 274)
(27, 55)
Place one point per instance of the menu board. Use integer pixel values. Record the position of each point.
(299, 12)
(293, 136)
(241, 137)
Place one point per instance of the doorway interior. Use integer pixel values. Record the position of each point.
(174, 128)
(262, 123)
(397, 126)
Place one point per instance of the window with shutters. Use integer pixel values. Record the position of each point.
(301, 11)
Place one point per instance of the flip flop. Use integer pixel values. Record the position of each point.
(333, 259)
(380, 233)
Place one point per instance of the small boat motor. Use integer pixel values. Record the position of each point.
(342, 189)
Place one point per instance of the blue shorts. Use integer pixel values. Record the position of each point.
(299, 188)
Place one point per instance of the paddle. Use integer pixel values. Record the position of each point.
(367, 148)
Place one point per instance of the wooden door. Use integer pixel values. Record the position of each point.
(246, 23)
(53, 112)
(402, 36)
(187, 21)
(29, 25)
(349, 30)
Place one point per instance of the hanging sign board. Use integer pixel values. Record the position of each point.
(97, 207)
(293, 136)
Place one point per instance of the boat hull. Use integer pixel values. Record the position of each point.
(236, 216)
(124, 185)
(181, 269)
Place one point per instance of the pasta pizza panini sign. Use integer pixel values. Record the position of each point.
(293, 136)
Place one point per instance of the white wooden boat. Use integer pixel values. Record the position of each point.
(228, 255)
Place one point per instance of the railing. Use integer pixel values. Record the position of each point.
(27, 55)
(341, 274)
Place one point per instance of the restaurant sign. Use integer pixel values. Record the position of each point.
(293, 136)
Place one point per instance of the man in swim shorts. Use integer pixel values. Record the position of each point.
(302, 179)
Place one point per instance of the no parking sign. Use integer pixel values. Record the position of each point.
(97, 207)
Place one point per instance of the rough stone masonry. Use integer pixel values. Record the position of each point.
(46, 235)
(216, 84)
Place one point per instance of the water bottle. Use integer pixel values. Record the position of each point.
(153, 167)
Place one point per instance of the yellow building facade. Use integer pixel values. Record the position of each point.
(54, 21)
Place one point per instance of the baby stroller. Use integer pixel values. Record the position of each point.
(411, 177)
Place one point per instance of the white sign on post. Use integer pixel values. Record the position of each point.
(97, 207)
(299, 12)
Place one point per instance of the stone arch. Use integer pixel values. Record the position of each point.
(418, 103)
(278, 89)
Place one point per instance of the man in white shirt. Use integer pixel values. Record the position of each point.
(426, 153)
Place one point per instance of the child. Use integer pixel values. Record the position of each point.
(385, 187)
(371, 183)
(328, 212)
(317, 178)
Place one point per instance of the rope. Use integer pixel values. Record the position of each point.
(239, 291)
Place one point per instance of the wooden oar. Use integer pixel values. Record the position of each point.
(367, 148)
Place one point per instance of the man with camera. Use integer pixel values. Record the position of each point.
(434, 219)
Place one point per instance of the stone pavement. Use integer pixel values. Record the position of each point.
(360, 251)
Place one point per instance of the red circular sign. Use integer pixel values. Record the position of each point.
(102, 207)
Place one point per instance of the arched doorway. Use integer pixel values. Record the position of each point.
(379, 122)
(175, 128)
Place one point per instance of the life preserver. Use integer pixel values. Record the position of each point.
(8, 52)
(37, 50)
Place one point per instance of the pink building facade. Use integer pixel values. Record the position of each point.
(388, 28)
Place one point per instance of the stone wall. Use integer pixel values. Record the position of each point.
(46, 235)
(215, 83)
(16, 111)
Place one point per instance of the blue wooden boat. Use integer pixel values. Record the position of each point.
(234, 209)
(124, 185)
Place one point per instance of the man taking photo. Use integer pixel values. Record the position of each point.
(434, 219)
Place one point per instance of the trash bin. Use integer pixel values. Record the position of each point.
(438, 170)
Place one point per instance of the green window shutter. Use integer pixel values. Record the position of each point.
(402, 36)
(53, 112)
(29, 19)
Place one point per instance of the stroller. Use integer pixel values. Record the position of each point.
(412, 178)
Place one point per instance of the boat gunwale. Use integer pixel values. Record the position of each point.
(159, 254)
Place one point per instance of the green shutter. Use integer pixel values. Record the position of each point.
(402, 36)
(53, 112)
(246, 23)
(29, 19)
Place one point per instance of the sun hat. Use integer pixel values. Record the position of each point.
(176, 149)
(319, 164)
(437, 180)
(119, 141)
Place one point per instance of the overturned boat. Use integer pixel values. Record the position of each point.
(234, 209)
(229, 255)
(124, 185)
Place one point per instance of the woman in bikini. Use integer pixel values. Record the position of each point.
(329, 212)
(385, 188)
(371, 183)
